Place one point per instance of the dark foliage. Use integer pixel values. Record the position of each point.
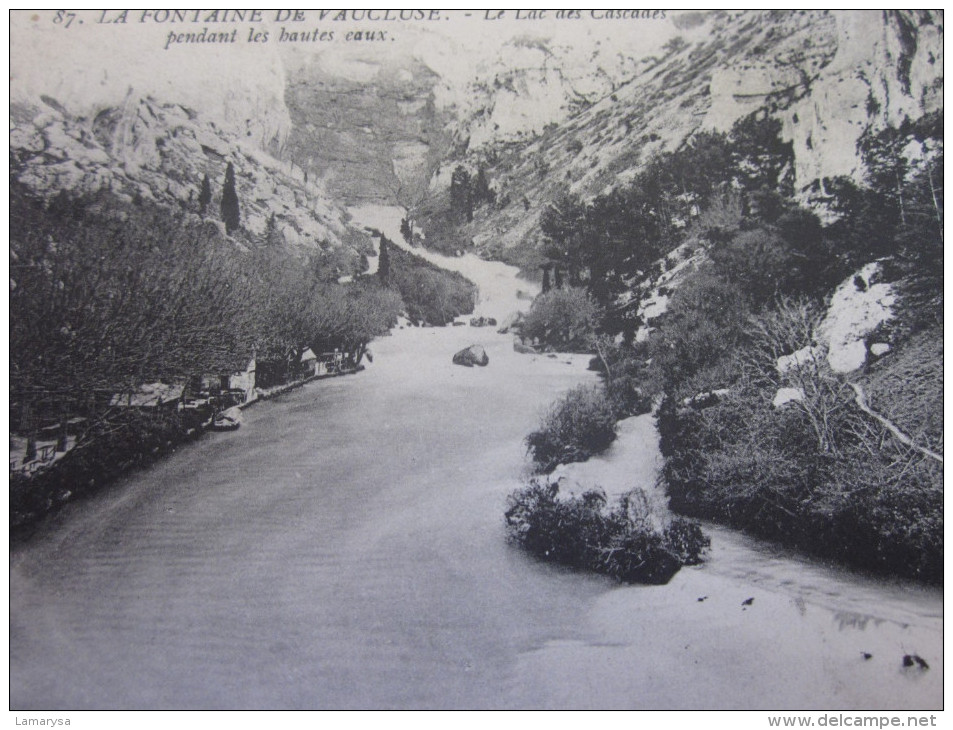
(561, 319)
(580, 424)
(114, 445)
(461, 197)
(383, 262)
(582, 533)
(231, 210)
(431, 295)
(818, 473)
(205, 195)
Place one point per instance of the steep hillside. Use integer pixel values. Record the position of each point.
(536, 81)
(150, 150)
(826, 76)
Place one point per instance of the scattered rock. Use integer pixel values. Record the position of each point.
(910, 660)
(706, 399)
(787, 395)
(459, 324)
(747, 602)
(524, 349)
(866, 655)
(509, 322)
(702, 598)
(470, 356)
(482, 322)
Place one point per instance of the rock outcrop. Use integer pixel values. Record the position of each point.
(470, 356)
(827, 76)
(145, 149)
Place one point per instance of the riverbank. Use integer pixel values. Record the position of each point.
(345, 549)
(785, 630)
(132, 440)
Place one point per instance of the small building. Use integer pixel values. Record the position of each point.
(234, 381)
(329, 363)
(309, 363)
(151, 395)
(242, 380)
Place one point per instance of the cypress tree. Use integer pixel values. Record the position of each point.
(383, 264)
(205, 195)
(461, 201)
(273, 236)
(481, 189)
(230, 210)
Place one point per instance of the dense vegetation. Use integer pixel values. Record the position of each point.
(108, 295)
(112, 446)
(818, 472)
(580, 424)
(562, 319)
(431, 295)
(625, 541)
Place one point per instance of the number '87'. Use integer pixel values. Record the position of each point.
(64, 18)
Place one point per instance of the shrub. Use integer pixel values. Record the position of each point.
(624, 373)
(431, 295)
(582, 533)
(580, 424)
(817, 473)
(562, 318)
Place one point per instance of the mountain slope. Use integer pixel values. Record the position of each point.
(826, 76)
(159, 151)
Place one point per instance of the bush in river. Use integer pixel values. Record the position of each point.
(624, 542)
(562, 319)
(580, 424)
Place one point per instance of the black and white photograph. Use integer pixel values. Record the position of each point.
(476, 360)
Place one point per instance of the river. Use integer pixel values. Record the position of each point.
(345, 549)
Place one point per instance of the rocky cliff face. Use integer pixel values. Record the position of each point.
(157, 151)
(543, 113)
(368, 126)
(534, 82)
(827, 76)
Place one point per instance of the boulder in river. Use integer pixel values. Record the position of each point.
(470, 356)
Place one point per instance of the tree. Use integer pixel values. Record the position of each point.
(461, 197)
(480, 190)
(205, 195)
(383, 264)
(273, 237)
(759, 157)
(563, 224)
(231, 213)
(563, 318)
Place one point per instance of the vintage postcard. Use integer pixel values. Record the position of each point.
(477, 360)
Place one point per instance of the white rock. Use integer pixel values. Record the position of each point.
(879, 349)
(852, 316)
(798, 359)
(787, 395)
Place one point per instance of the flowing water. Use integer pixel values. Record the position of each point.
(345, 549)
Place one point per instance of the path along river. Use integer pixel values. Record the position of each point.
(345, 549)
